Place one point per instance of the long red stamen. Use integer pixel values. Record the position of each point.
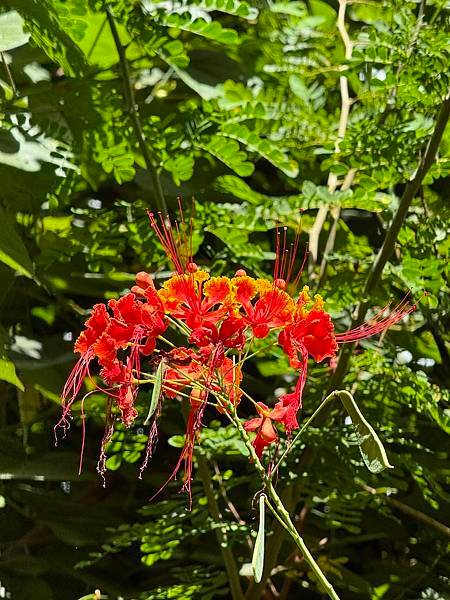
(378, 323)
(70, 392)
(107, 436)
(164, 232)
(302, 267)
(286, 255)
(151, 444)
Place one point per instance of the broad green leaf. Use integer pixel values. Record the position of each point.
(319, 7)
(12, 250)
(258, 551)
(156, 393)
(12, 34)
(372, 450)
(8, 373)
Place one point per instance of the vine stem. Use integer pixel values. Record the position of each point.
(281, 513)
(133, 111)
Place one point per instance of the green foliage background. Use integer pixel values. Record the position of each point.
(239, 105)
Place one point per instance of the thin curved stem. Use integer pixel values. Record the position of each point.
(330, 397)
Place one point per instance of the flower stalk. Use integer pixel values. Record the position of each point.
(280, 511)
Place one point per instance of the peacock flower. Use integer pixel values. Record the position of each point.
(219, 317)
(262, 304)
(266, 433)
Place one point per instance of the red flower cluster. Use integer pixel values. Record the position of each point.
(131, 325)
(220, 317)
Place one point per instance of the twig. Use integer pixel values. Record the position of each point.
(329, 246)
(412, 512)
(227, 555)
(97, 37)
(132, 109)
(9, 74)
(342, 128)
(223, 491)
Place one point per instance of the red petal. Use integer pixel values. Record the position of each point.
(268, 432)
(253, 424)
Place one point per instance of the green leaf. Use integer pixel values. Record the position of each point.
(230, 184)
(231, 7)
(156, 393)
(212, 30)
(205, 91)
(229, 153)
(8, 373)
(258, 551)
(293, 7)
(41, 20)
(181, 167)
(263, 146)
(12, 250)
(12, 34)
(372, 450)
(113, 462)
(299, 88)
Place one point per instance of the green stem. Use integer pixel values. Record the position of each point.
(9, 74)
(132, 108)
(282, 515)
(287, 523)
(412, 512)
